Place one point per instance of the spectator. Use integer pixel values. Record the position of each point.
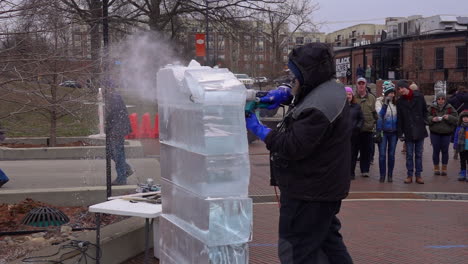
(459, 100)
(461, 135)
(368, 73)
(357, 121)
(411, 116)
(387, 125)
(442, 120)
(414, 86)
(349, 76)
(3, 178)
(367, 102)
(309, 159)
(360, 72)
(118, 126)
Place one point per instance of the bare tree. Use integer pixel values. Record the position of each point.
(36, 61)
(283, 21)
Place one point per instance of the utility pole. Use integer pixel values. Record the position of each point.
(105, 61)
(207, 58)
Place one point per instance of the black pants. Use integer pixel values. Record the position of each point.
(354, 153)
(309, 233)
(463, 160)
(365, 144)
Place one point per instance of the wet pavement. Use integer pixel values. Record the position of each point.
(382, 222)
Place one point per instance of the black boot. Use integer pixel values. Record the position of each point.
(382, 179)
(389, 178)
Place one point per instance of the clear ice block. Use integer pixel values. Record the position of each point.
(202, 109)
(179, 247)
(215, 221)
(210, 176)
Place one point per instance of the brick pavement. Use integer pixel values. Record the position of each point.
(384, 232)
(416, 231)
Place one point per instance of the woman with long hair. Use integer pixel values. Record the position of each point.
(357, 121)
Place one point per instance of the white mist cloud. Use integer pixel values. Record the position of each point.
(139, 57)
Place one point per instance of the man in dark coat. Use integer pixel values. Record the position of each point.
(310, 159)
(411, 116)
(118, 126)
(459, 100)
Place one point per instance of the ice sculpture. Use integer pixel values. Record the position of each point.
(207, 215)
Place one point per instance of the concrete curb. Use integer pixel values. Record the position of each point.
(78, 196)
(133, 149)
(119, 242)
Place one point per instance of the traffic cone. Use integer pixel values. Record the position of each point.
(156, 126)
(145, 128)
(134, 125)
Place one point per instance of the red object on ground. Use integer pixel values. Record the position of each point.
(145, 128)
(156, 126)
(134, 124)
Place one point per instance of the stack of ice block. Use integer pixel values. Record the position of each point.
(207, 215)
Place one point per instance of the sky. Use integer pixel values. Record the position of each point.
(352, 12)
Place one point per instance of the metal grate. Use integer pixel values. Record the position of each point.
(45, 216)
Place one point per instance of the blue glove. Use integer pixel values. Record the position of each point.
(278, 96)
(255, 127)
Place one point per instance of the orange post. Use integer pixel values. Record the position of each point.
(145, 129)
(156, 126)
(134, 125)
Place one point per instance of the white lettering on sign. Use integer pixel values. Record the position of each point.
(362, 43)
(342, 65)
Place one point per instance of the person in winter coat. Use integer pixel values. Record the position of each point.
(357, 120)
(411, 127)
(309, 159)
(387, 126)
(460, 99)
(3, 177)
(118, 126)
(461, 143)
(442, 119)
(367, 102)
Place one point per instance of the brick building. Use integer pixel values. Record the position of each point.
(424, 59)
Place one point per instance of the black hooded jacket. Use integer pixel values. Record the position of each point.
(310, 150)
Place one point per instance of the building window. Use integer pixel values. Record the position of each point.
(261, 66)
(308, 40)
(461, 57)
(439, 57)
(300, 40)
(246, 57)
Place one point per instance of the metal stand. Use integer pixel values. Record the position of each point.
(98, 238)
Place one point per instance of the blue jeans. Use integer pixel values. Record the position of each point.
(387, 146)
(118, 156)
(414, 149)
(440, 143)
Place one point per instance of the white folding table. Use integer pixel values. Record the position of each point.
(126, 208)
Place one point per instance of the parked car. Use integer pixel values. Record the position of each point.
(283, 79)
(261, 79)
(245, 79)
(72, 84)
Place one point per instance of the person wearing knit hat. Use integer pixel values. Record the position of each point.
(357, 119)
(411, 115)
(309, 162)
(442, 121)
(460, 143)
(387, 127)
